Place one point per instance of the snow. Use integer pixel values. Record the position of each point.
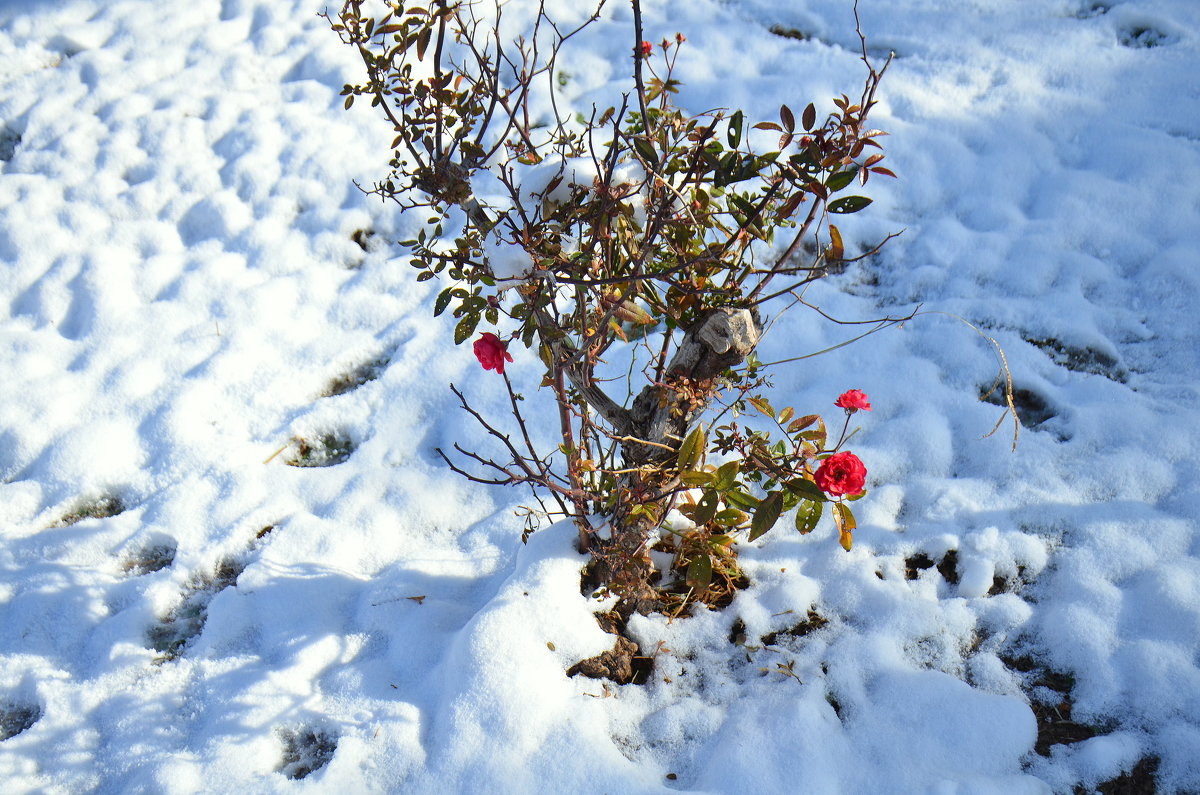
(188, 275)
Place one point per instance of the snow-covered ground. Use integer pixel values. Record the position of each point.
(191, 281)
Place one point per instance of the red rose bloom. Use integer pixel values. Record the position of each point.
(841, 473)
(646, 49)
(491, 352)
(852, 400)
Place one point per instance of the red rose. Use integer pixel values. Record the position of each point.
(646, 49)
(841, 473)
(491, 352)
(852, 400)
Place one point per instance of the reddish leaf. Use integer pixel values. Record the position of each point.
(423, 43)
(789, 121)
(810, 117)
(762, 405)
(788, 207)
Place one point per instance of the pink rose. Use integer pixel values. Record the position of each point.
(852, 400)
(841, 473)
(491, 352)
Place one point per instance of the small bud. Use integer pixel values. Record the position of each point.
(680, 38)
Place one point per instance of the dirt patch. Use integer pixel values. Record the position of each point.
(327, 450)
(1139, 781)
(1050, 699)
(305, 751)
(174, 631)
(16, 718)
(624, 663)
(150, 558)
(362, 374)
(98, 508)
(947, 566)
(812, 622)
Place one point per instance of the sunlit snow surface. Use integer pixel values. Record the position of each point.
(191, 281)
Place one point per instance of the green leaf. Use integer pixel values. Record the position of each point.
(730, 517)
(785, 415)
(706, 509)
(735, 130)
(767, 514)
(465, 328)
(808, 513)
(762, 405)
(805, 489)
(692, 449)
(840, 180)
(694, 478)
(645, 149)
(727, 475)
(443, 301)
(741, 499)
(699, 573)
(849, 204)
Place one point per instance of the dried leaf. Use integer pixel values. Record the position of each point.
(844, 519)
(836, 251)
